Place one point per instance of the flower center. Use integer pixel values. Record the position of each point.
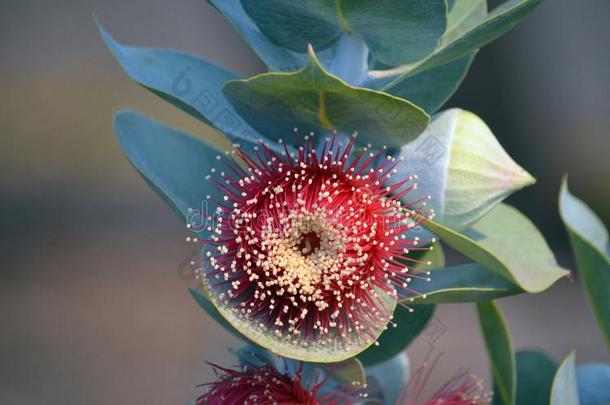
(305, 255)
(310, 242)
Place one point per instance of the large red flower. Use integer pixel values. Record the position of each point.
(310, 251)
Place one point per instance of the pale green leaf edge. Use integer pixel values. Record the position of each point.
(565, 194)
(565, 379)
(484, 256)
(269, 341)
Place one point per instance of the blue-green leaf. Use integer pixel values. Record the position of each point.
(192, 84)
(173, 163)
(295, 24)
(396, 31)
(462, 167)
(564, 390)
(275, 57)
(386, 381)
(535, 372)
(593, 380)
(500, 351)
(314, 100)
(349, 371)
(499, 21)
(589, 239)
(470, 282)
(409, 324)
(432, 88)
(506, 242)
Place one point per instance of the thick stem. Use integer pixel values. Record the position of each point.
(350, 61)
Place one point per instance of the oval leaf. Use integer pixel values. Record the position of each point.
(462, 167)
(589, 240)
(192, 84)
(396, 31)
(314, 100)
(500, 351)
(431, 88)
(503, 18)
(506, 242)
(172, 162)
(564, 390)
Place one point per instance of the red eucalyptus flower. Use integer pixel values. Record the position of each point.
(309, 252)
(463, 389)
(265, 385)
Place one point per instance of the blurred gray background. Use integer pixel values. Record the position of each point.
(92, 305)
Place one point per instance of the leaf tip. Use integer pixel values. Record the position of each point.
(108, 39)
(121, 118)
(311, 54)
